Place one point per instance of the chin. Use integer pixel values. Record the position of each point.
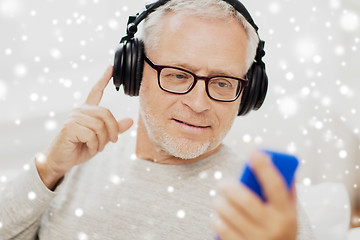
(184, 148)
(177, 146)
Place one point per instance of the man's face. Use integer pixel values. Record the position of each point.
(190, 125)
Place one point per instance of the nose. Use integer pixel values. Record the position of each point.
(197, 99)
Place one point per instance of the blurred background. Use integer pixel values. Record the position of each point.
(52, 52)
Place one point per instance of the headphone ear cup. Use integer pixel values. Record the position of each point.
(119, 62)
(128, 66)
(132, 69)
(247, 96)
(133, 66)
(254, 94)
(139, 65)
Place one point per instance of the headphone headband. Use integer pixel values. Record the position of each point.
(134, 21)
(243, 11)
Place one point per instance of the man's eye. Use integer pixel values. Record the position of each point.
(179, 76)
(222, 84)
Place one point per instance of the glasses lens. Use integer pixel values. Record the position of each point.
(223, 88)
(175, 80)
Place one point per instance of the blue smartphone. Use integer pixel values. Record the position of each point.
(285, 163)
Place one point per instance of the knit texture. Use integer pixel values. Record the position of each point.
(118, 196)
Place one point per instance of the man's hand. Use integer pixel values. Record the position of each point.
(243, 216)
(85, 133)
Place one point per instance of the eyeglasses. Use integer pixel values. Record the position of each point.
(180, 81)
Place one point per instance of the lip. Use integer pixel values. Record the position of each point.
(190, 126)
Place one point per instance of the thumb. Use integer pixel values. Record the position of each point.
(124, 124)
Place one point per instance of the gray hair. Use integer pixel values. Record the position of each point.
(203, 8)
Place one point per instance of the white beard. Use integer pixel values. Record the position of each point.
(175, 146)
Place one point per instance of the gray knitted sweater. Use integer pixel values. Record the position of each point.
(118, 196)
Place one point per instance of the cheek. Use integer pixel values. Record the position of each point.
(145, 82)
(227, 114)
(152, 98)
(150, 91)
(148, 88)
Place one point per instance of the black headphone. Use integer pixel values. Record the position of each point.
(129, 61)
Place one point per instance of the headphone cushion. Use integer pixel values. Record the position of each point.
(139, 65)
(254, 94)
(132, 67)
(254, 91)
(118, 66)
(127, 67)
(262, 89)
(248, 92)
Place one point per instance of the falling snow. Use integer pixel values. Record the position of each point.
(115, 179)
(246, 138)
(3, 90)
(82, 236)
(181, 214)
(20, 70)
(79, 212)
(349, 21)
(307, 181)
(133, 133)
(311, 109)
(170, 189)
(203, 175)
(3, 179)
(31, 195)
(218, 175)
(40, 157)
(26, 167)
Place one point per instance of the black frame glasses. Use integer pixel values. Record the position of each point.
(242, 83)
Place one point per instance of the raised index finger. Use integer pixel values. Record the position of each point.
(96, 92)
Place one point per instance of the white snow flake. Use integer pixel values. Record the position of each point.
(79, 212)
(3, 179)
(349, 21)
(343, 154)
(218, 175)
(3, 90)
(170, 189)
(181, 213)
(115, 179)
(246, 138)
(8, 51)
(26, 167)
(40, 157)
(288, 106)
(203, 175)
(31, 195)
(20, 70)
(82, 236)
(307, 181)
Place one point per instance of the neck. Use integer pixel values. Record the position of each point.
(148, 150)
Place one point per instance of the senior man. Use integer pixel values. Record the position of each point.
(161, 184)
